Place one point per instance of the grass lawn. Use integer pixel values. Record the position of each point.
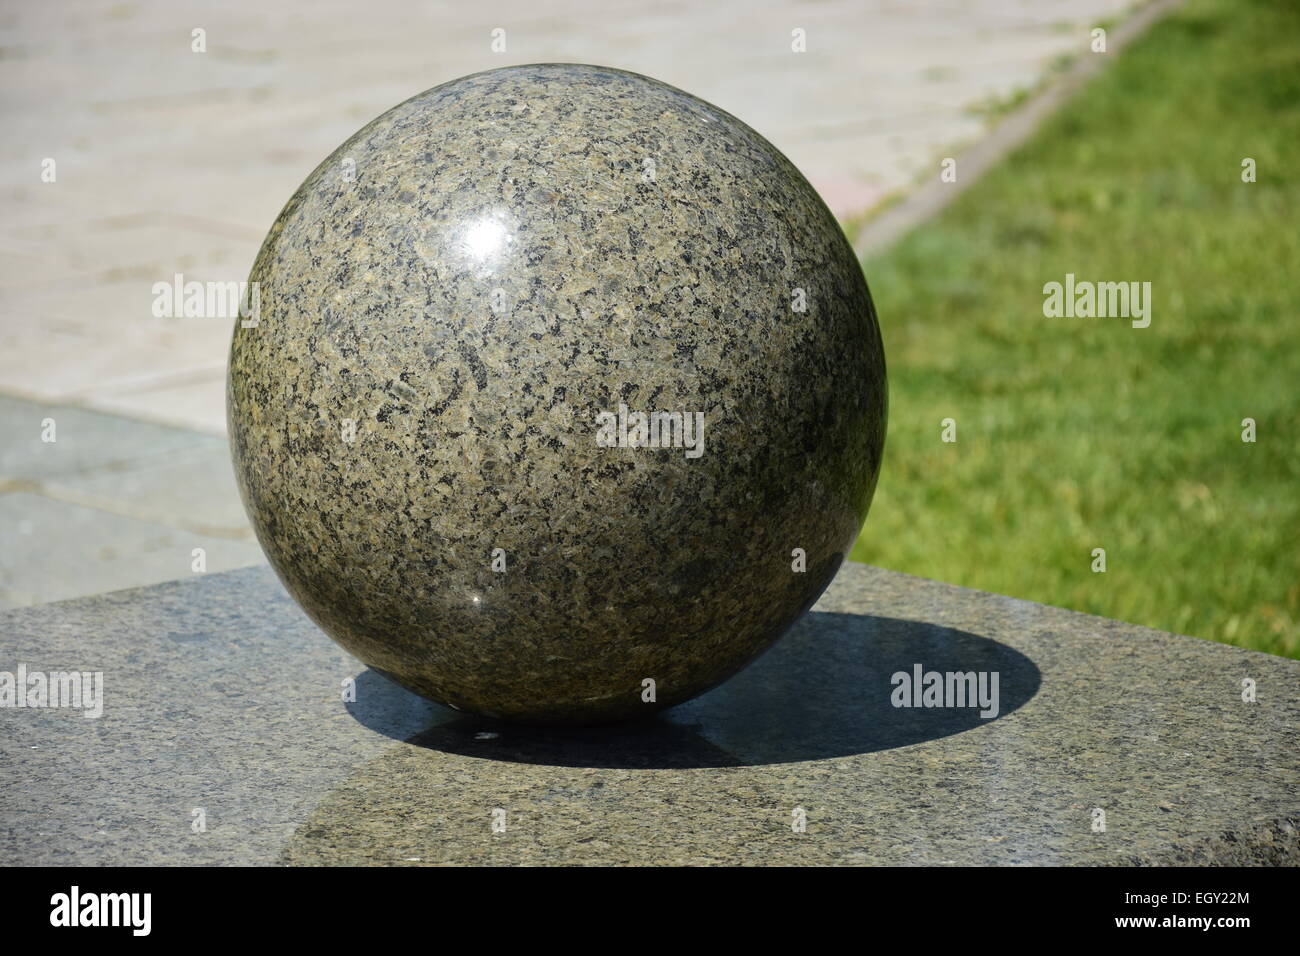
(1083, 433)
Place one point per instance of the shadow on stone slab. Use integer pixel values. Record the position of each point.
(823, 691)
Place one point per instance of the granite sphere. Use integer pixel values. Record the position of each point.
(562, 396)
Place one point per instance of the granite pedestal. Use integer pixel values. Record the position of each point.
(220, 696)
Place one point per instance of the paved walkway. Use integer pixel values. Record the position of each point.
(112, 503)
(170, 161)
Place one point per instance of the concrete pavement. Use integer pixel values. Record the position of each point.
(130, 156)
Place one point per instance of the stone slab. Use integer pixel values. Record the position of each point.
(52, 549)
(220, 695)
(111, 503)
(84, 441)
(148, 185)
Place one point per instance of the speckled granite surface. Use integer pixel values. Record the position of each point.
(221, 695)
(468, 284)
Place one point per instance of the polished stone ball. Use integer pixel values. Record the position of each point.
(561, 396)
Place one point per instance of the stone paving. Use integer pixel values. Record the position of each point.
(110, 503)
(167, 161)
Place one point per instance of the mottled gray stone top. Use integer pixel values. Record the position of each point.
(220, 694)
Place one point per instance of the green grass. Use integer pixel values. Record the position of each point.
(1076, 433)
